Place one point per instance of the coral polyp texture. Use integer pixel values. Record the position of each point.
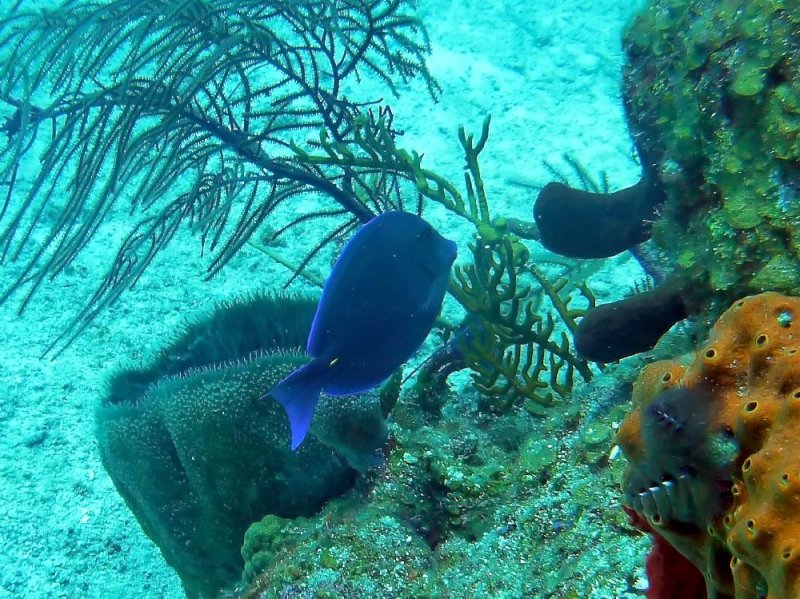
(712, 92)
(712, 443)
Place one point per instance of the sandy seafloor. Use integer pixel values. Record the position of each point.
(548, 71)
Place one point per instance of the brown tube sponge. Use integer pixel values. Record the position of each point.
(619, 329)
(583, 224)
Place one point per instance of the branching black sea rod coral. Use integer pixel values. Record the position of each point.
(190, 111)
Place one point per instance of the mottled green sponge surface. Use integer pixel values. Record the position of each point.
(712, 88)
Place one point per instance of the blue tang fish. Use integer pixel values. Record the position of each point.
(378, 305)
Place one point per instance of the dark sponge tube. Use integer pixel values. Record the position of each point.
(620, 329)
(582, 224)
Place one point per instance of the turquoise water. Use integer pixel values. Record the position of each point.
(549, 75)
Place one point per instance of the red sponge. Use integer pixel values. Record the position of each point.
(671, 575)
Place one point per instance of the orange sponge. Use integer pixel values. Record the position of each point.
(713, 449)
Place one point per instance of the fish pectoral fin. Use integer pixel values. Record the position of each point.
(299, 393)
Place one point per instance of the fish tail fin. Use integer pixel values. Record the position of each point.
(299, 393)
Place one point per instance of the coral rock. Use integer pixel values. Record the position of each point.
(727, 496)
(712, 93)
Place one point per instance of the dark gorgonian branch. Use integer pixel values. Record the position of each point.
(187, 110)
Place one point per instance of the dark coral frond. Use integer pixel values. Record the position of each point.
(188, 112)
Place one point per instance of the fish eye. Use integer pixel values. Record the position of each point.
(426, 233)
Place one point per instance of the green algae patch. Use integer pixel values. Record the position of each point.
(595, 434)
(537, 457)
(347, 550)
(741, 211)
(264, 539)
(749, 81)
(780, 273)
(721, 276)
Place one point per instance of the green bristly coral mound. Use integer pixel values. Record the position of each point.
(712, 89)
(198, 456)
